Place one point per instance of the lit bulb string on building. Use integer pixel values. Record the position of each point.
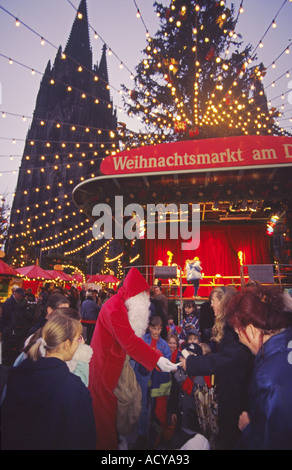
(98, 36)
(60, 155)
(69, 87)
(73, 126)
(81, 247)
(58, 124)
(92, 160)
(47, 201)
(62, 143)
(80, 68)
(45, 213)
(47, 225)
(30, 230)
(26, 208)
(110, 50)
(61, 243)
(64, 242)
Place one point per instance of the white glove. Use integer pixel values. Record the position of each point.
(165, 365)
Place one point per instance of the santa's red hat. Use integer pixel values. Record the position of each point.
(133, 284)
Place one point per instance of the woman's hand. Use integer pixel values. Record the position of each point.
(183, 363)
(174, 419)
(243, 420)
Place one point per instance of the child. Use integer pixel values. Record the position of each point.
(155, 388)
(171, 326)
(46, 407)
(190, 320)
(193, 336)
(193, 270)
(172, 341)
(184, 401)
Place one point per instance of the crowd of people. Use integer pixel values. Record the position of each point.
(219, 379)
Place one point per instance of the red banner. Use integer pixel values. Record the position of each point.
(201, 155)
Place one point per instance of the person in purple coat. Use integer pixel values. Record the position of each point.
(261, 318)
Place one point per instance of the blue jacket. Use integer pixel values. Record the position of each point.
(46, 407)
(89, 310)
(160, 381)
(270, 397)
(155, 382)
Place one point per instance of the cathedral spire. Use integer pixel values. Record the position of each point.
(78, 45)
(102, 69)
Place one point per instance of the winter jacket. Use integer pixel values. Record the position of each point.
(160, 381)
(232, 368)
(153, 384)
(270, 397)
(89, 310)
(46, 408)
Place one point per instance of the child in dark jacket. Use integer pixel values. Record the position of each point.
(183, 404)
(155, 388)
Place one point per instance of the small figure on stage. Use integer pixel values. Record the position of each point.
(193, 270)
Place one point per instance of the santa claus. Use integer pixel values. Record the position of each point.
(121, 323)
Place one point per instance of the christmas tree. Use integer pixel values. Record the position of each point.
(196, 80)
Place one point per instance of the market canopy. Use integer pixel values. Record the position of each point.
(106, 278)
(6, 270)
(77, 277)
(59, 274)
(34, 272)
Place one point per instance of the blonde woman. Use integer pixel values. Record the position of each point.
(46, 407)
(230, 362)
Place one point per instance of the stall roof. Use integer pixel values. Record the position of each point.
(220, 193)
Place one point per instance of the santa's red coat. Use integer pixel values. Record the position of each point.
(112, 339)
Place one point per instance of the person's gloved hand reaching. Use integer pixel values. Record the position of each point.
(165, 365)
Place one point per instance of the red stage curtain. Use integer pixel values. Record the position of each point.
(218, 249)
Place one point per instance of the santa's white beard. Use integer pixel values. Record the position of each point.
(138, 312)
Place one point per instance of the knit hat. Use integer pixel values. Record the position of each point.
(195, 332)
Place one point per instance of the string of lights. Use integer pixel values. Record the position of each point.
(64, 56)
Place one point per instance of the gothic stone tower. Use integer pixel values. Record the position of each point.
(73, 128)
